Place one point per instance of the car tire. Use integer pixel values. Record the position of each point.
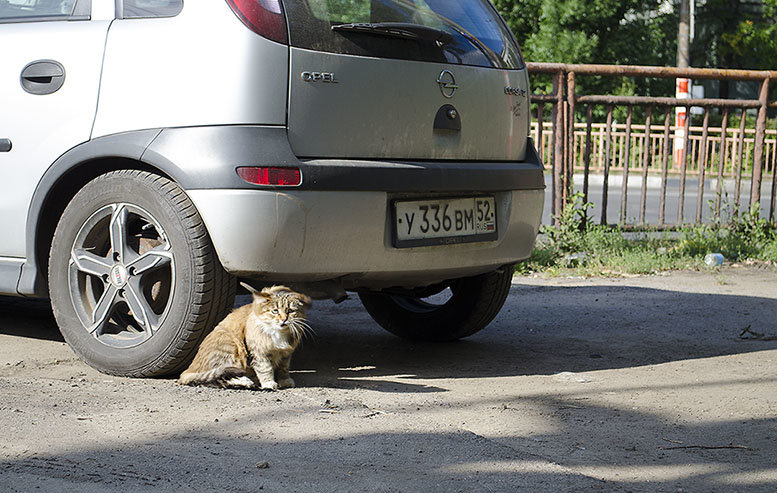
(472, 305)
(134, 280)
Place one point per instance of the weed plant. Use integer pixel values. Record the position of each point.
(574, 245)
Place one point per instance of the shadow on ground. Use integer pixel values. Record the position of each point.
(28, 317)
(540, 331)
(543, 331)
(225, 457)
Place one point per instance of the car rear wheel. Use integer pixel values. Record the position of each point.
(457, 309)
(135, 283)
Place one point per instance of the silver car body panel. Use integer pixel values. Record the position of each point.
(201, 67)
(310, 236)
(42, 127)
(384, 108)
(10, 270)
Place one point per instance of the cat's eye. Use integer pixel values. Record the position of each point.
(275, 311)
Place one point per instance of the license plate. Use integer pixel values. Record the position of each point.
(444, 221)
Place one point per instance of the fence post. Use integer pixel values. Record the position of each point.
(626, 163)
(758, 154)
(702, 165)
(558, 142)
(774, 186)
(665, 166)
(647, 161)
(721, 163)
(607, 162)
(588, 150)
(740, 163)
(570, 139)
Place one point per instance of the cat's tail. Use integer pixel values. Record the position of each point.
(226, 376)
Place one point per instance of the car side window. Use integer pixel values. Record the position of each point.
(138, 9)
(31, 9)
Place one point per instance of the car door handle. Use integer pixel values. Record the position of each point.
(5, 145)
(43, 77)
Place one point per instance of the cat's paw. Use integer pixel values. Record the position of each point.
(270, 385)
(286, 383)
(240, 382)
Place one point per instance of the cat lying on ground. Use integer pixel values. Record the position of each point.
(254, 342)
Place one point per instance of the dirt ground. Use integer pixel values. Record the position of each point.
(637, 384)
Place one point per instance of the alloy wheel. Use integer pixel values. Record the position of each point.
(121, 275)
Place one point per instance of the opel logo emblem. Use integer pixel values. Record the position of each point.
(447, 83)
(119, 275)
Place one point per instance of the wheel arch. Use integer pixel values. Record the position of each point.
(64, 178)
(193, 157)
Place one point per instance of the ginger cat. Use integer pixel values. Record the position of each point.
(253, 342)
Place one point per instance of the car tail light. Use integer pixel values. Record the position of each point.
(279, 177)
(264, 17)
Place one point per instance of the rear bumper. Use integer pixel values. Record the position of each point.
(336, 224)
(306, 236)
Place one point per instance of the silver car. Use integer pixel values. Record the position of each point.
(152, 152)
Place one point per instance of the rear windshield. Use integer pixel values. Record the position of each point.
(465, 32)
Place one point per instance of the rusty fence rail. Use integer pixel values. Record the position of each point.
(571, 111)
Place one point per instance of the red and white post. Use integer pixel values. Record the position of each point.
(682, 92)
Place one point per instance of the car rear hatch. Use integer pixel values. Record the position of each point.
(405, 80)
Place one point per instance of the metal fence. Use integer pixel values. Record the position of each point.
(638, 143)
(571, 141)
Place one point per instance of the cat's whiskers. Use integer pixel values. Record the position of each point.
(305, 326)
(302, 329)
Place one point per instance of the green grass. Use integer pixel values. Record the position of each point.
(575, 246)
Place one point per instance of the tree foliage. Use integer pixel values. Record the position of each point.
(592, 31)
(630, 32)
(736, 34)
(729, 33)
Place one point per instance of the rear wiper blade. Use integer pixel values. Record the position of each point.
(406, 30)
(403, 30)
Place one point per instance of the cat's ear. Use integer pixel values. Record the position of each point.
(305, 299)
(258, 296)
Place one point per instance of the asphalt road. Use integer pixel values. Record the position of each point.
(662, 383)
